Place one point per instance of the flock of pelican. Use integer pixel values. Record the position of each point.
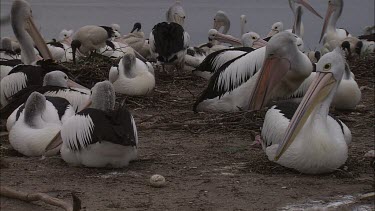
(48, 113)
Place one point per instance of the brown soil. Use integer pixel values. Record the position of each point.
(206, 159)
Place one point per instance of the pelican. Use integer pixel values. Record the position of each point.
(65, 36)
(25, 75)
(298, 27)
(330, 33)
(215, 60)
(297, 13)
(55, 84)
(221, 20)
(132, 76)
(136, 39)
(99, 136)
(310, 140)
(239, 85)
(168, 43)
(8, 52)
(176, 14)
(38, 121)
(90, 38)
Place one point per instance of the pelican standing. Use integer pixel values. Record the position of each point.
(310, 140)
(168, 43)
(99, 136)
(90, 38)
(330, 35)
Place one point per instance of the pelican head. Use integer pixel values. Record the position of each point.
(334, 7)
(115, 27)
(176, 13)
(66, 36)
(213, 34)
(306, 4)
(26, 32)
(330, 70)
(137, 26)
(59, 78)
(34, 108)
(102, 96)
(6, 44)
(284, 69)
(221, 20)
(276, 28)
(252, 39)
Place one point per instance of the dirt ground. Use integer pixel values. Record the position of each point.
(206, 159)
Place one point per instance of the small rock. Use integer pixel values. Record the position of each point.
(370, 154)
(157, 181)
(345, 168)
(284, 187)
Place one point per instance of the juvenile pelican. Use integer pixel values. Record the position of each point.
(37, 123)
(90, 38)
(99, 136)
(132, 76)
(311, 141)
(136, 39)
(176, 14)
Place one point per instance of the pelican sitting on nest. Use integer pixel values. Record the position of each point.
(233, 86)
(132, 76)
(55, 84)
(312, 141)
(37, 123)
(99, 136)
(215, 60)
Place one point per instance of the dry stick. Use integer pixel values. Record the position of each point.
(30, 197)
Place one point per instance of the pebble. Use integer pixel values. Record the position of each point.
(157, 181)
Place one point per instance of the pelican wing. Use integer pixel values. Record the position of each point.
(92, 125)
(216, 59)
(233, 74)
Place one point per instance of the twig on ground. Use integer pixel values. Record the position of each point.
(30, 197)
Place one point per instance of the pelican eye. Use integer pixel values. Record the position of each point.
(327, 66)
(214, 19)
(66, 77)
(254, 38)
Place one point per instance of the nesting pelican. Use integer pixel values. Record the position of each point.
(37, 122)
(132, 76)
(99, 136)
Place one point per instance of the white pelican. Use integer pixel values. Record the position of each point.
(55, 84)
(311, 141)
(99, 136)
(176, 14)
(330, 34)
(90, 38)
(215, 60)
(136, 39)
(298, 27)
(132, 76)
(65, 36)
(38, 121)
(7, 51)
(168, 43)
(297, 13)
(240, 85)
(221, 20)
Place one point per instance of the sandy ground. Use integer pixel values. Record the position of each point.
(206, 159)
